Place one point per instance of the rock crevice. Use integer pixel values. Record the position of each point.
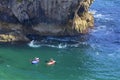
(45, 17)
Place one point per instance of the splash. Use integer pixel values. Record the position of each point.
(102, 17)
(61, 45)
(32, 44)
(59, 42)
(36, 44)
(93, 11)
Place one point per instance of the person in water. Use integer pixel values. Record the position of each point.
(51, 62)
(35, 60)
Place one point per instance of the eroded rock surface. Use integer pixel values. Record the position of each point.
(45, 17)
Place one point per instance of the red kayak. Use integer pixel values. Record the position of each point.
(51, 62)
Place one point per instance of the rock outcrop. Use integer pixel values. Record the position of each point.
(44, 17)
(12, 33)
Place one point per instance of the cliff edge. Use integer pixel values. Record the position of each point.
(20, 18)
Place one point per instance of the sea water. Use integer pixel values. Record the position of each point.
(96, 58)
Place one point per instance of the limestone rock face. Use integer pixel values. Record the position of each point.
(48, 17)
(12, 33)
(83, 20)
(44, 10)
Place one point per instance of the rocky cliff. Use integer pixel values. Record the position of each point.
(19, 18)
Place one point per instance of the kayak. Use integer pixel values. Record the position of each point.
(34, 62)
(51, 62)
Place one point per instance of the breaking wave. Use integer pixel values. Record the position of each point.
(102, 17)
(59, 45)
(32, 44)
(93, 11)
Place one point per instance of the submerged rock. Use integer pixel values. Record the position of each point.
(44, 18)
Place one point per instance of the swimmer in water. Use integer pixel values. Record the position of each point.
(51, 62)
(35, 60)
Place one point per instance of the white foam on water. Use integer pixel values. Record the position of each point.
(78, 44)
(99, 16)
(108, 18)
(62, 46)
(93, 12)
(74, 45)
(35, 44)
(102, 16)
(32, 44)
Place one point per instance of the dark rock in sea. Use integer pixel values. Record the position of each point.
(19, 18)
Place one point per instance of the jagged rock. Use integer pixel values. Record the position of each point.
(11, 32)
(12, 38)
(47, 17)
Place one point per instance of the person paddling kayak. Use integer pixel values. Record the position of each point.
(35, 60)
(51, 62)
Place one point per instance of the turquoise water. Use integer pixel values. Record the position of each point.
(97, 58)
(71, 63)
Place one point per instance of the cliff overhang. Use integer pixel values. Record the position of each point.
(19, 18)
